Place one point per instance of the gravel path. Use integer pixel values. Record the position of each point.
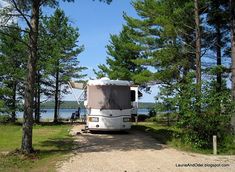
(136, 152)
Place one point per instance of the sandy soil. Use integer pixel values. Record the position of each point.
(136, 152)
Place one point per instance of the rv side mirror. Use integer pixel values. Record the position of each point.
(132, 95)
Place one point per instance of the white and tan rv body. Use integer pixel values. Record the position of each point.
(109, 105)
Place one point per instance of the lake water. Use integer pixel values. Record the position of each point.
(66, 113)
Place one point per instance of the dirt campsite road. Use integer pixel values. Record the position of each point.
(136, 152)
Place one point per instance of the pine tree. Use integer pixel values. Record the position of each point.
(122, 53)
(198, 46)
(217, 37)
(13, 60)
(165, 37)
(62, 63)
(218, 19)
(165, 31)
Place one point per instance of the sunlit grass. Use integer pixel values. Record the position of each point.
(51, 142)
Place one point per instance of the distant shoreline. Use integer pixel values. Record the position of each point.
(74, 105)
(66, 113)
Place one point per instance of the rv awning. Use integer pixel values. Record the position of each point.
(77, 85)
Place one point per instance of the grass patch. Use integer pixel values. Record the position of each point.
(161, 133)
(51, 142)
(174, 137)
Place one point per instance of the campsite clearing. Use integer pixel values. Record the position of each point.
(135, 151)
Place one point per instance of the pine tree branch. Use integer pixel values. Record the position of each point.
(42, 2)
(189, 26)
(21, 13)
(4, 33)
(12, 27)
(17, 15)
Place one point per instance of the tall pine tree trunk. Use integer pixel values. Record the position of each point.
(37, 99)
(56, 97)
(198, 54)
(219, 63)
(13, 114)
(38, 103)
(218, 57)
(26, 145)
(232, 17)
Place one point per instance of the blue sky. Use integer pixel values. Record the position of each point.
(96, 21)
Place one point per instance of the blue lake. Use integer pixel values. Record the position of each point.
(66, 113)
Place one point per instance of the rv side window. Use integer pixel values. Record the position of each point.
(132, 95)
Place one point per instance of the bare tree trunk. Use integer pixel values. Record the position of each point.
(218, 57)
(37, 99)
(219, 63)
(232, 17)
(198, 53)
(56, 97)
(13, 114)
(38, 103)
(26, 145)
(59, 99)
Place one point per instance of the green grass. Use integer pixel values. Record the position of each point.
(174, 137)
(51, 143)
(10, 136)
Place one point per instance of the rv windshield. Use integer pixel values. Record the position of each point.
(109, 97)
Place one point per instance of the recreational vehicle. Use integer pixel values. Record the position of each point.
(110, 104)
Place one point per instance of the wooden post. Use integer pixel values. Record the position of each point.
(214, 145)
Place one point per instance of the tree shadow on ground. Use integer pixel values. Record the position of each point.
(110, 132)
(57, 146)
(161, 135)
(103, 142)
(138, 138)
(116, 141)
(51, 123)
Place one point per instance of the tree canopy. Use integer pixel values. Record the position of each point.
(182, 46)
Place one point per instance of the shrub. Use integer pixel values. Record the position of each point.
(199, 129)
(166, 118)
(4, 118)
(152, 112)
(142, 118)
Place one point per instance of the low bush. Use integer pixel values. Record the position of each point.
(4, 118)
(152, 112)
(200, 129)
(166, 118)
(142, 118)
